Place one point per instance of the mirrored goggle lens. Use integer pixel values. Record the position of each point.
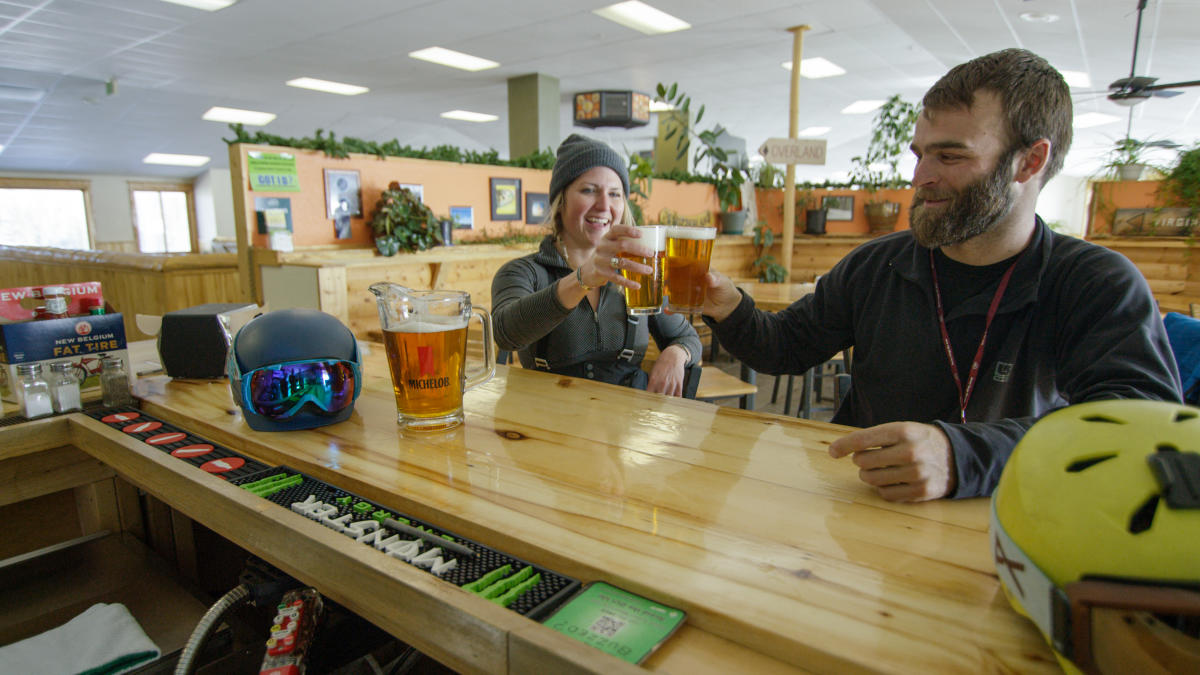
(282, 390)
(1128, 628)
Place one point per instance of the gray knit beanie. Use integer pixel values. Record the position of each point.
(576, 155)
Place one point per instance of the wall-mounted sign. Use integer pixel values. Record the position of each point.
(272, 171)
(612, 109)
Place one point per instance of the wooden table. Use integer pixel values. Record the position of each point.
(783, 560)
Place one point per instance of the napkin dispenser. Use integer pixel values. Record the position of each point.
(193, 342)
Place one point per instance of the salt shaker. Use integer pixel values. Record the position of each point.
(64, 387)
(35, 391)
(114, 383)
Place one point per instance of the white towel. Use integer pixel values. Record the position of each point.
(104, 639)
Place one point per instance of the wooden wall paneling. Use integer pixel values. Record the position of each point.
(129, 507)
(40, 473)
(38, 522)
(185, 546)
(360, 302)
(160, 530)
(332, 292)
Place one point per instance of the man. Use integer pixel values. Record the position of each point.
(979, 320)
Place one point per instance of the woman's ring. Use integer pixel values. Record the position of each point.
(615, 263)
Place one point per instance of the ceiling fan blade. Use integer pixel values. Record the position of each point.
(1172, 85)
(1165, 93)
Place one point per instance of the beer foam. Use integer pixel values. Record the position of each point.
(654, 237)
(683, 232)
(435, 324)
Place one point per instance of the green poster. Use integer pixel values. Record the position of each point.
(616, 622)
(272, 172)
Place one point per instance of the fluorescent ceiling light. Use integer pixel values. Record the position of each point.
(176, 160)
(816, 68)
(1039, 17)
(236, 116)
(642, 17)
(813, 131)
(1076, 79)
(660, 106)
(11, 92)
(327, 86)
(468, 116)
(449, 57)
(862, 106)
(207, 5)
(1094, 119)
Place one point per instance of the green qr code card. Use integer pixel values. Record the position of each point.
(616, 622)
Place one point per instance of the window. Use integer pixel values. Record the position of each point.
(39, 212)
(162, 217)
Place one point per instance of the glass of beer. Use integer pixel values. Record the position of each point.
(688, 252)
(425, 337)
(649, 298)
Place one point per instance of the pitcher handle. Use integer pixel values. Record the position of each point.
(489, 357)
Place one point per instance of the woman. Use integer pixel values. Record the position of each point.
(562, 309)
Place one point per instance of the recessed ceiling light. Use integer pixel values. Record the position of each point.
(813, 131)
(642, 17)
(660, 106)
(816, 68)
(327, 86)
(468, 116)
(1093, 119)
(176, 160)
(236, 116)
(449, 57)
(207, 5)
(1039, 17)
(1076, 78)
(862, 106)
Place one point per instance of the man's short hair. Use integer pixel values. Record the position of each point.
(1034, 98)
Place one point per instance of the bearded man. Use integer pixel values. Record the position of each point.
(979, 320)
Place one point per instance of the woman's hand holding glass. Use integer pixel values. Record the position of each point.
(606, 262)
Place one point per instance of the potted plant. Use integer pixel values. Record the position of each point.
(402, 222)
(1181, 185)
(728, 174)
(641, 172)
(814, 214)
(891, 135)
(1127, 159)
(764, 264)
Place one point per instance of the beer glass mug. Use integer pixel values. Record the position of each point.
(688, 252)
(425, 337)
(649, 298)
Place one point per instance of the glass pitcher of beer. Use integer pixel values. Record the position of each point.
(425, 337)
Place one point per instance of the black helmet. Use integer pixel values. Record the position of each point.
(294, 369)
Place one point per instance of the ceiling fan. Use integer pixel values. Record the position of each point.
(1129, 91)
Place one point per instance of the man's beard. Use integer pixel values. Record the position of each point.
(973, 210)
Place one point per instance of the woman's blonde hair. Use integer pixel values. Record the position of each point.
(554, 213)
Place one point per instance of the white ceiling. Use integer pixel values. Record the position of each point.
(171, 63)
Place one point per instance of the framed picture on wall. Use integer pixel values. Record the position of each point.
(506, 198)
(536, 206)
(463, 217)
(839, 207)
(417, 190)
(343, 193)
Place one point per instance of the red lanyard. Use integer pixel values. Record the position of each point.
(964, 396)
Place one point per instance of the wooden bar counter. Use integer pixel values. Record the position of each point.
(782, 559)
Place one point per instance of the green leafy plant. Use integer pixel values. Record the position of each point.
(331, 146)
(768, 176)
(1127, 159)
(728, 176)
(891, 134)
(1181, 186)
(764, 265)
(641, 172)
(400, 216)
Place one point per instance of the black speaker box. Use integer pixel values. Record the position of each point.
(192, 343)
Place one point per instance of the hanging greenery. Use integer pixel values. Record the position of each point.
(331, 146)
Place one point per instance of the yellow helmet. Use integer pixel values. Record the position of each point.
(1096, 535)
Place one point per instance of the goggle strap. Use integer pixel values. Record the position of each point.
(1031, 586)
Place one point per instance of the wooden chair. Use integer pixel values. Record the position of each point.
(710, 383)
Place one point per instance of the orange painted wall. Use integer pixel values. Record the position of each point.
(1108, 196)
(770, 209)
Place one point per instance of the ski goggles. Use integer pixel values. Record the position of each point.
(280, 391)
